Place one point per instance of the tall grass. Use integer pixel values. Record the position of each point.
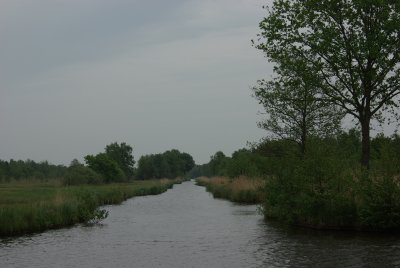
(241, 189)
(31, 206)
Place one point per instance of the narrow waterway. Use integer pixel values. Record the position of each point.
(186, 227)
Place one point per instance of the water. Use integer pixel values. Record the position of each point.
(186, 227)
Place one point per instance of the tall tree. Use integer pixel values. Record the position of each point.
(352, 46)
(293, 107)
(122, 155)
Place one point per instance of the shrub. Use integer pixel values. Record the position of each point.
(80, 174)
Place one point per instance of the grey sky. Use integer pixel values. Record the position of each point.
(77, 75)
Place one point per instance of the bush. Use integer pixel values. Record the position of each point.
(81, 175)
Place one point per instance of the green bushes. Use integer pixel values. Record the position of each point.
(381, 202)
(79, 174)
(296, 197)
(327, 188)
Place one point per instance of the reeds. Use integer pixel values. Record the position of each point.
(241, 189)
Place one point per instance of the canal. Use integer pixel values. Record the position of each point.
(187, 227)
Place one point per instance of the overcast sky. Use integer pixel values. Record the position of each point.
(77, 75)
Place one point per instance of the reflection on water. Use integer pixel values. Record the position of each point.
(186, 227)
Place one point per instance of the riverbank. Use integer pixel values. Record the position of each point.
(30, 206)
(241, 190)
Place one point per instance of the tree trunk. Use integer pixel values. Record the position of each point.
(303, 142)
(365, 142)
(303, 134)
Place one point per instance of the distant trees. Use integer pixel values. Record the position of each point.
(29, 169)
(217, 163)
(115, 164)
(243, 162)
(170, 164)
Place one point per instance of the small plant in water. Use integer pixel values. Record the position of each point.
(98, 216)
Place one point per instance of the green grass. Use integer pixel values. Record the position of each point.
(29, 206)
(241, 190)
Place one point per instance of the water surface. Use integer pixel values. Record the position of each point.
(186, 227)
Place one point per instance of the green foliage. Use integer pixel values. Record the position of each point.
(243, 162)
(217, 164)
(350, 48)
(104, 165)
(116, 164)
(29, 169)
(246, 163)
(170, 164)
(294, 109)
(326, 189)
(122, 155)
(79, 174)
(381, 202)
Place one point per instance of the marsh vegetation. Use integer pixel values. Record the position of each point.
(32, 206)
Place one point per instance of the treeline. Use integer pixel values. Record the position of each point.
(170, 164)
(115, 164)
(29, 169)
(261, 159)
(243, 162)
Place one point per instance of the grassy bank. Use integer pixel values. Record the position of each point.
(242, 189)
(30, 206)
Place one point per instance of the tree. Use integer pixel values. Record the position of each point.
(105, 166)
(245, 163)
(294, 109)
(351, 46)
(122, 155)
(187, 162)
(145, 168)
(218, 163)
(75, 163)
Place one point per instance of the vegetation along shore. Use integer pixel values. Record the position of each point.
(241, 190)
(33, 206)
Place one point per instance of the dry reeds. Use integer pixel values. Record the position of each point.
(241, 189)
